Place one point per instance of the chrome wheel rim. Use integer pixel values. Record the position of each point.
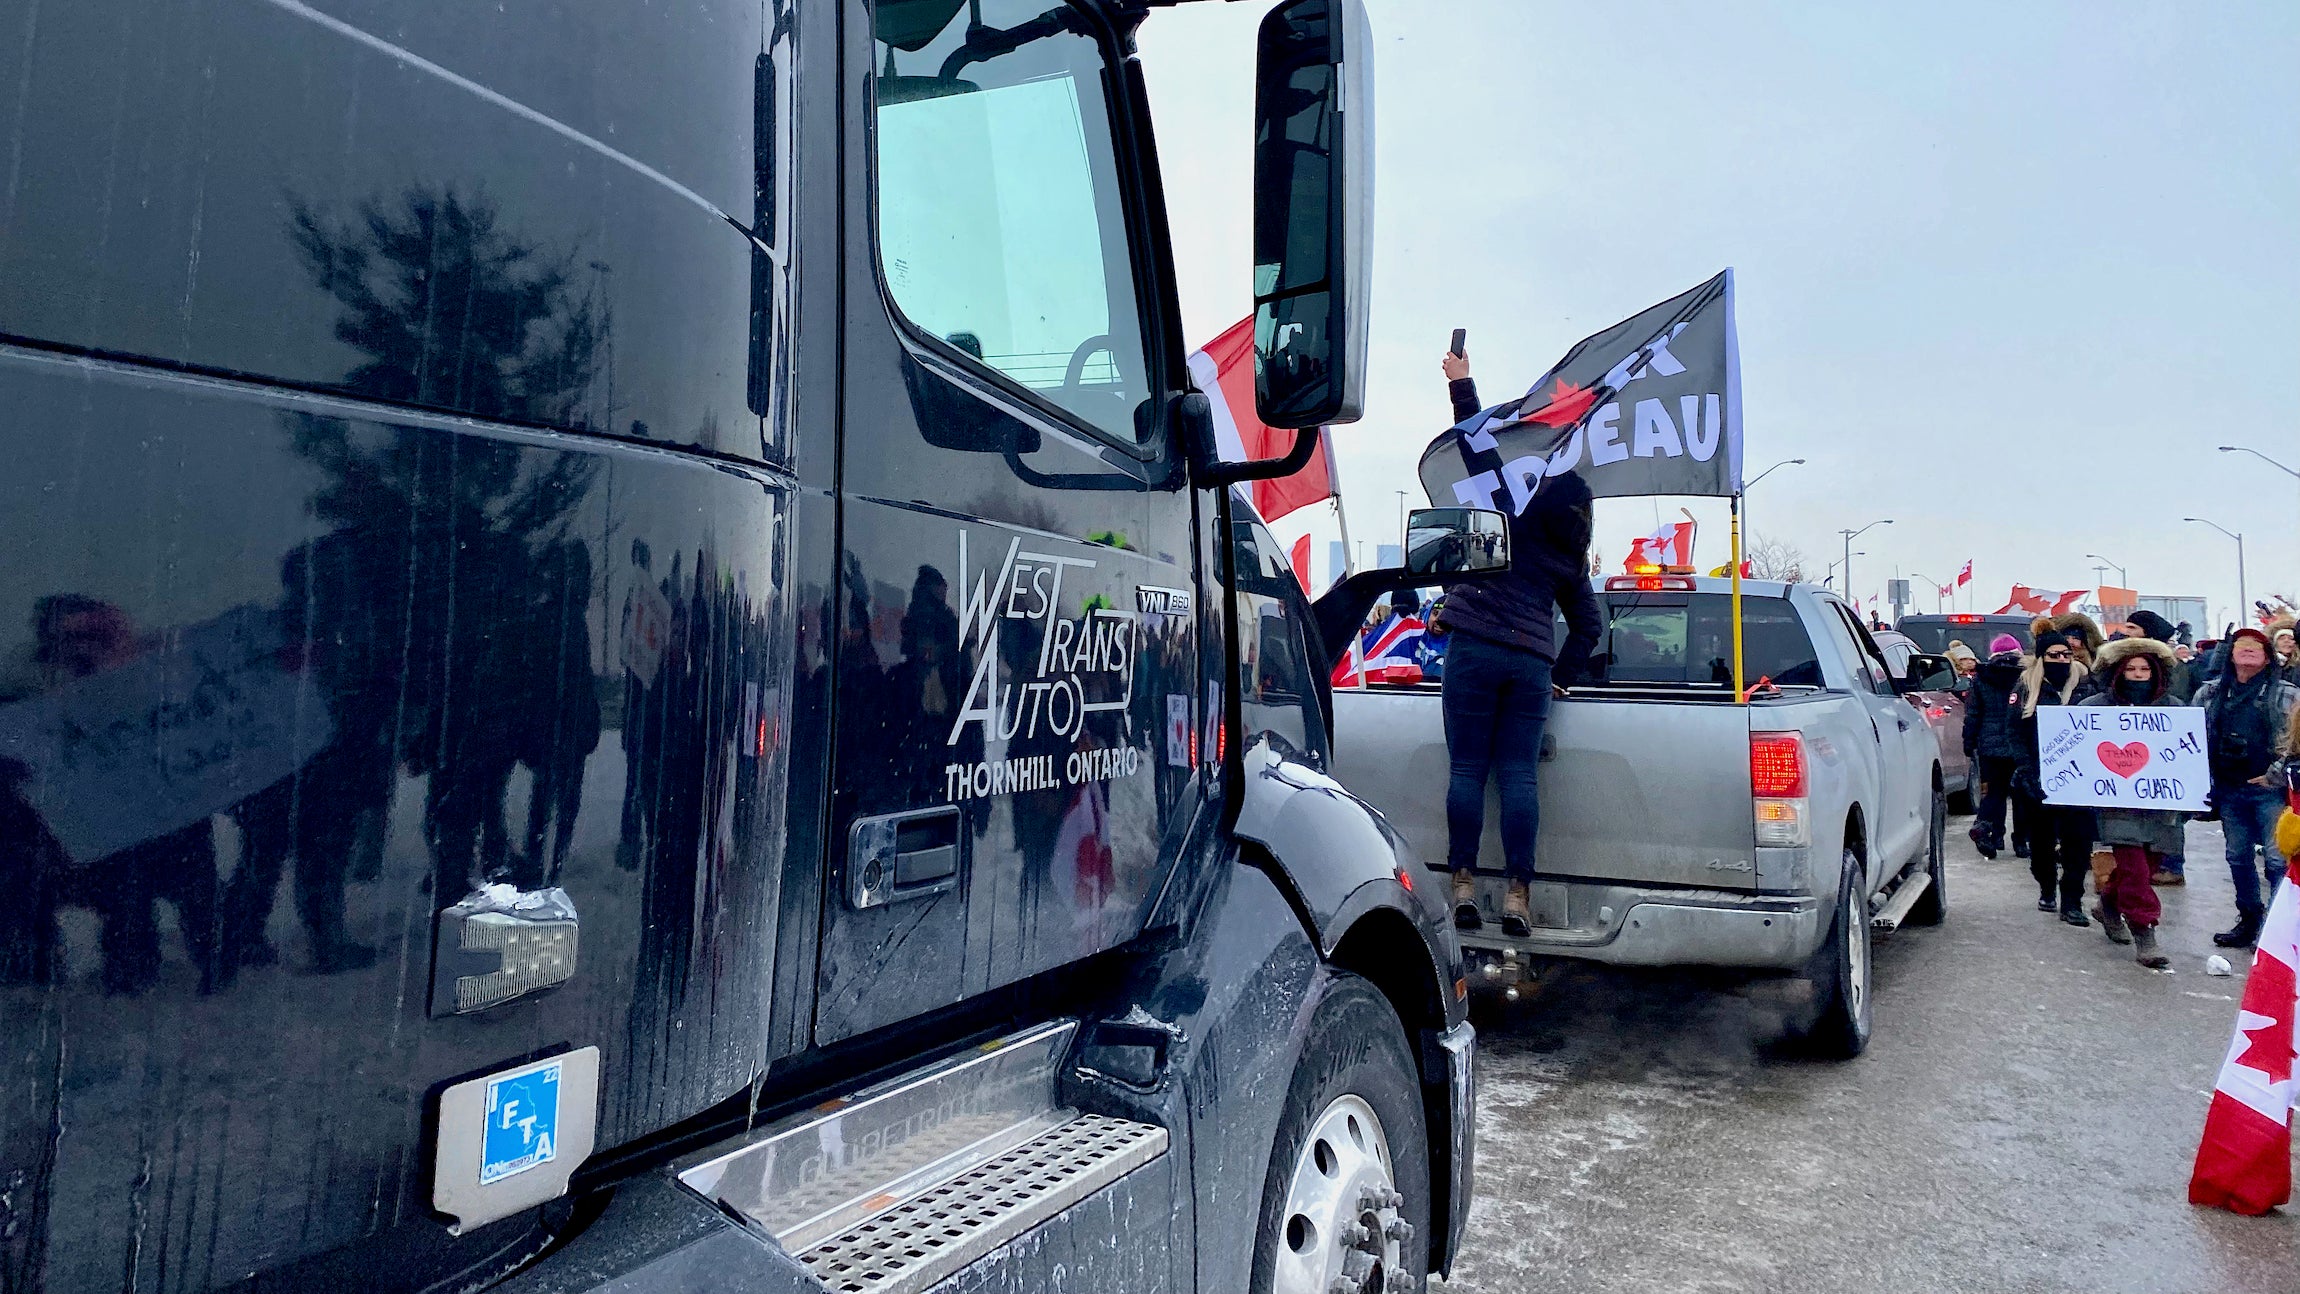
(1340, 1232)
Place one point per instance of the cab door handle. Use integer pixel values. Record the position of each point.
(898, 856)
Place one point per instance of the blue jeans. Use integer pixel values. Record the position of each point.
(2248, 816)
(1496, 699)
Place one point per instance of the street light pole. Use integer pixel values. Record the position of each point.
(1937, 586)
(1830, 572)
(2243, 595)
(2293, 472)
(1786, 462)
(2122, 580)
(1850, 536)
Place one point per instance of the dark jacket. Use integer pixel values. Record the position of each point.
(2245, 723)
(2160, 830)
(1548, 573)
(1989, 706)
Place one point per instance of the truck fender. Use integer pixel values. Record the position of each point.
(1336, 857)
(1359, 890)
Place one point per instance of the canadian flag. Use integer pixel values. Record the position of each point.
(1671, 545)
(1965, 576)
(2244, 1164)
(1224, 370)
(2039, 602)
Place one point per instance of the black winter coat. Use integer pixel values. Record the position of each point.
(1548, 573)
(2023, 726)
(1989, 706)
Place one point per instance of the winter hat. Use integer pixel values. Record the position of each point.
(2255, 635)
(2051, 638)
(1958, 651)
(2003, 643)
(2154, 625)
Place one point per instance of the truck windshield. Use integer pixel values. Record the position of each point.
(1688, 638)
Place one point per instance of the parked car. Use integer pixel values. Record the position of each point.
(1679, 828)
(1941, 697)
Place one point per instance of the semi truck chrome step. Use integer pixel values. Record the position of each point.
(812, 1175)
(913, 1244)
(1896, 909)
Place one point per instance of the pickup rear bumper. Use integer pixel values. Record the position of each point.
(1655, 927)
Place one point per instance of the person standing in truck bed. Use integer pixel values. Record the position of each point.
(1502, 667)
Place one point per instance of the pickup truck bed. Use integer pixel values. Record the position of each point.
(1649, 851)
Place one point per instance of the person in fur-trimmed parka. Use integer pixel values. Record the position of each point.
(2136, 672)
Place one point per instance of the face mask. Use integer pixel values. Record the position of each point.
(2056, 672)
(2134, 689)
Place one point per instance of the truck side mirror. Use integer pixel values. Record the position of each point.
(1443, 546)
(1313, 209)
(1448, 543)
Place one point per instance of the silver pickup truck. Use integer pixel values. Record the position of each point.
(1681, 829)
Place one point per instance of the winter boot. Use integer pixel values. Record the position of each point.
(2144, 948)
(2244, 933)
(2111, 924)
(2020, 847)
(2073, 914)
(2047, 900)
(1984, 840)
(1517, 910)
(1465, 913)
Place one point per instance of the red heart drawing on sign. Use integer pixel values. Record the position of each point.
(2123, 760)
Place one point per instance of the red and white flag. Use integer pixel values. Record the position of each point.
(2040, 602)
(1671, 545)
(2244, 1164)
(1224, 370)
(1965, 576)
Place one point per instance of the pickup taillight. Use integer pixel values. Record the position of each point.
(1776, 765)
(1778, 788)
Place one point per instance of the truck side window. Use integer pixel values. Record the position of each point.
(1001, 228)
(1852, 643)
(1275, 670)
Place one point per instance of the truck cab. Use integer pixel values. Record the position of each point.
(626, 663)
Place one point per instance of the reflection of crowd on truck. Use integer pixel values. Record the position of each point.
(2248, 687)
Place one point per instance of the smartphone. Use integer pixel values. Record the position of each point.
(1460, 335)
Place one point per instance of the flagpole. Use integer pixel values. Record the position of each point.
(1740, 686)
(1357, 635)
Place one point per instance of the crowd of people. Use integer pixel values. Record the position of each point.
(2247, 685)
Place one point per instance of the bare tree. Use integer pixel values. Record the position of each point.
(1773, 559)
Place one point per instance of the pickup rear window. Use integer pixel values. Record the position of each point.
(1688, 638)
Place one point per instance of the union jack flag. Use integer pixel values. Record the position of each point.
(1388, 651)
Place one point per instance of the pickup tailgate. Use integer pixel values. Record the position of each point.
(1642, 791)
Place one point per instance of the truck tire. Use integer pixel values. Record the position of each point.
(1933, 905)
(1839, 974)
(1346, 1202)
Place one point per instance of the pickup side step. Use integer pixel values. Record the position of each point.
(898, 1186)
(1889, 917)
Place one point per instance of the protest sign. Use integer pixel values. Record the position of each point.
(2123, 757)
(165, 738)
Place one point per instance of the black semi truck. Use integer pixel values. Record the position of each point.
(625, 663)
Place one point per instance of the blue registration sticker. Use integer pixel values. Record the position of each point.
(522, 1123)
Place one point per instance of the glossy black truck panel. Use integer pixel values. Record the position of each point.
(525, 446)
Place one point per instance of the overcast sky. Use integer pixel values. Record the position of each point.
(2005, 274)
